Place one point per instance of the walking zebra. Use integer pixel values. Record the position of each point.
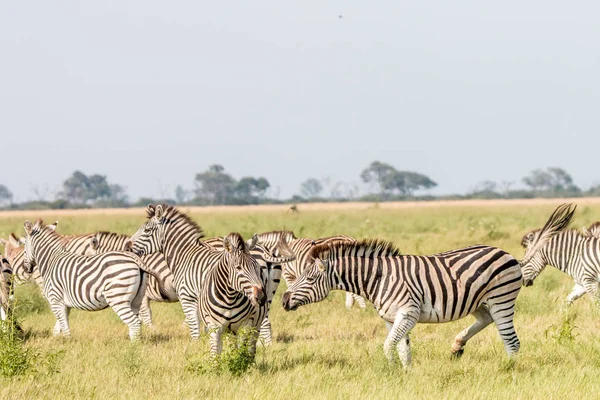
(114, 279)
(592, 230)
(571, 252)
(196, 268)
(301, 247)
(480, 280)
(160, 283)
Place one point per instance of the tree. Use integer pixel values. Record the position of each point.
(406, 182)
(311, 188)
(6, 195)
(378, 172)
(82, 189)
(249, 188)
(214, 185)
(553, 179)
(181, 195)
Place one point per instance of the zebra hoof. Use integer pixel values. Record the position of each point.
(457, 354)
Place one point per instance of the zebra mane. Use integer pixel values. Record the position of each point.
(107, 234)
(283, 232)
(526, 238)
(170, 212)
(367, 248)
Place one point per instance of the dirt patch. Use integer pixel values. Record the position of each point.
(308, 207)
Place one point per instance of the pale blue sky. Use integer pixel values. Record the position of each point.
(151, 92)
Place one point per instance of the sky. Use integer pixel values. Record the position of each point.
(151, 92)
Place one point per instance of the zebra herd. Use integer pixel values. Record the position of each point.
(226, 283)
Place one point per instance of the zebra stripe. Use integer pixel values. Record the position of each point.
(6, 290)
(114, 279)
(593, 230)
(301, 247)
(15, 254)
(175, 234)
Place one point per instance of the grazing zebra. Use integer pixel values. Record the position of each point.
(114, 279)
(571, 252)
(593, 230)
(301, 247)
(196, 265)
(480, 280)
(6, 290)
(160, 283)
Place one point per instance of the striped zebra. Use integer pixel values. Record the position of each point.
(301, 247)
(480, 280)
(194, 265)
(571, 252)
(114, 279)
(160, 283)
(593, 230)
(271, 270)
(6, 290)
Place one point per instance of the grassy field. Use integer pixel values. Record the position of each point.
(323, 350)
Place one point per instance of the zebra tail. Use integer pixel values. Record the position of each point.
(558, 221)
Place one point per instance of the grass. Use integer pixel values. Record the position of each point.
(323, 350)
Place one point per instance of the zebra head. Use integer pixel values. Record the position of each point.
(149, 238)
(31, 231)
(312, 286)
(244, 274)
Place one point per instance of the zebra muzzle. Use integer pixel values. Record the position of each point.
(286, 302)
(258, 296)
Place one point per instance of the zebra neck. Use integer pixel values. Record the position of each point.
(563, 252)
(46, 247)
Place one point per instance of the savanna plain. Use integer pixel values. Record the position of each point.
(323, 350)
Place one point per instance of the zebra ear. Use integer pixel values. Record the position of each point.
(22, 240)
(94, 243)
(3, 242)
(252, 242)
(158, 212)
(12, 239)
(322, 264)
(585, 231)
(227, 244)
(28, 226)
(53, 225)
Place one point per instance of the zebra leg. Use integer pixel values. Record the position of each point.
(403, 323)
(125, 312)
(190, 309)
(503, 315)
(360, 300)
(61, 312)
(146, 312)
(482, 320)
(349, 300)
(216, 342)
(576, 293)
(266, 332)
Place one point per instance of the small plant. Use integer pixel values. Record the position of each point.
(564, 332)
(236, 358)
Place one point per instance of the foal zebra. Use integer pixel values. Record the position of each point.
(301, 247)
(93, 283)
(480, 280)
(571, 252)
(199, 270)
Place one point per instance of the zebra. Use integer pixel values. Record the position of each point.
(572, 252)
(480, 280)
(115, 279)
(160, 282)
(6, 290)
(593, 230)
(175, 234)
(301, 247)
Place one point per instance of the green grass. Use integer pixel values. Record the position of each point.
(323, 350)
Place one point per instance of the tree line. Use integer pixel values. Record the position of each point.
(215, 186)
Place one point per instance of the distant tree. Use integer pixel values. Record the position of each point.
(553, 179)
(379, 173)
(82, 189)
(406, 182)
(6, 195)
(311, 188)
(214, 185)
(181, 195)
(250, 188)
